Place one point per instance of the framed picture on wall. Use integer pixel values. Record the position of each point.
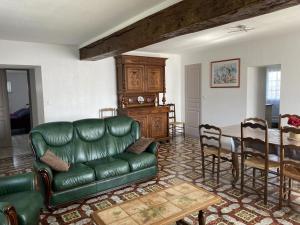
(225, 74)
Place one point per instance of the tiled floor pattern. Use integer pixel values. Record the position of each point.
(180, 159)
(20, 146)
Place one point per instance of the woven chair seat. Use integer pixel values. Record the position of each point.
(259, 163)
(225, 153)
(291, 172)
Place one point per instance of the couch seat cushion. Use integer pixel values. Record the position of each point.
(27, 204)
(77, 175)
(138, 161)
(109, 167)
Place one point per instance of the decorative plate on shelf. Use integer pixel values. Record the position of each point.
(141, 99)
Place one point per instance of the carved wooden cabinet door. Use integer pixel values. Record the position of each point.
(143, 120)
(134, 78)
(155, 78)
(158, 125)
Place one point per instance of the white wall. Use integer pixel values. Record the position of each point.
(256, 92)
(229, 106)
(19, 97)
(74, 89)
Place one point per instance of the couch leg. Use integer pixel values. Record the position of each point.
(11, 215)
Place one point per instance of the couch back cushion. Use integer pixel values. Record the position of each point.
(90, 142)
(85, 140)
(57, 137)
(122, 132)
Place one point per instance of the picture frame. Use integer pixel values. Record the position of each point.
(225, 73)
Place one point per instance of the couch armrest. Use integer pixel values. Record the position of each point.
(18, 183)
(8, 214)
(42, 167)
(45, 179)
(153, 148)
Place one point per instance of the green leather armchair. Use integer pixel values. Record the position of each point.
(17, 193)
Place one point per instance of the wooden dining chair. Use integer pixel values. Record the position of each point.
(107, 112)
(289, 163)
(255, 154)
(175, 127)
(283, 119)
(213, 145)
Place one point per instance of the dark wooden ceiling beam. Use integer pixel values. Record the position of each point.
(182, 18)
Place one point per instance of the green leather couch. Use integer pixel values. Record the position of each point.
(20, 201)
(96, 150)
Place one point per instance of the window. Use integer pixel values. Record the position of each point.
(273, 90)
(273, 84)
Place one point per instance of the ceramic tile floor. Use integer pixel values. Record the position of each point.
(179, 159)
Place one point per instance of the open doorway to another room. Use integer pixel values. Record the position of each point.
(20, 114)
(19, 102)
(21, 108)
(263, 93)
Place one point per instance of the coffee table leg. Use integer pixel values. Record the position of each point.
(201, 219)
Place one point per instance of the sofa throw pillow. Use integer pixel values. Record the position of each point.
(140, 145)
(54, 162)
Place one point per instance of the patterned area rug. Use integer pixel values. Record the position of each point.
(181, 160)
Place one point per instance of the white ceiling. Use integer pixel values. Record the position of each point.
(70, 22)
(79, 22)
(284, 21)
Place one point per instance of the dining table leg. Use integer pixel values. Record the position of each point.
(236, 168)
(235, 161)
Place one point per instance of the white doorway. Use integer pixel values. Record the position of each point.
(19, 101)
(263, 93)
(192, 99)
(22, 107)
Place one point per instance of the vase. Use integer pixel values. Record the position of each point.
(294, 136)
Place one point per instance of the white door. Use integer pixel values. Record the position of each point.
(5, 134)
(192, 99)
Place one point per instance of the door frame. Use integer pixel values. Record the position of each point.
(8, 142)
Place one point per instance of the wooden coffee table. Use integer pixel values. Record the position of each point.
(160, 208)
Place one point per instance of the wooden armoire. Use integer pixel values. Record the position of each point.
(140, 80)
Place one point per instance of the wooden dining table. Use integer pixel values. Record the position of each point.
(234, 132)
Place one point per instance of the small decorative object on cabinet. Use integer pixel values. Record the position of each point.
(139, 81)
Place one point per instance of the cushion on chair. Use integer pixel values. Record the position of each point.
(109, 167)
(138, 161)
(27, 204)
(54, 162)
(77, 175)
